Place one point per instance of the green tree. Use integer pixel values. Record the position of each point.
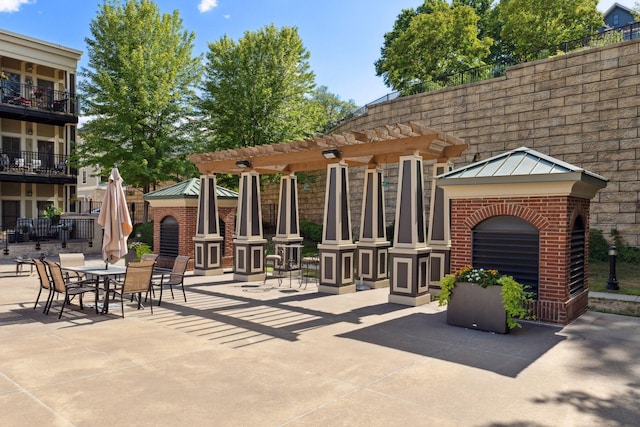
(138, 91)
(257, 90)
(430, 42)
(532, 26)
(331, 109)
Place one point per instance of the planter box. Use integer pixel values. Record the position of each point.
(474, 307)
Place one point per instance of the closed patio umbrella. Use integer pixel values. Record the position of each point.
(115, 220)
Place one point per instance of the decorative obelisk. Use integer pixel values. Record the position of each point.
(208, 241)
(373, 246)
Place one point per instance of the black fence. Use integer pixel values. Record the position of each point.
(485, 72)
(136, 209)
(46, 229)
(29, 96)
(34, 161)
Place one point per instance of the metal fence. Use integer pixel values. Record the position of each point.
(136, 209)
(485, 72)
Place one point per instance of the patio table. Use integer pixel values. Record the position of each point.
(100, 272)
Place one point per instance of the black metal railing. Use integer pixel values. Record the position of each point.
(45, 229)
(36, 97)
(498, 69)
(136, 209)
(35, 162)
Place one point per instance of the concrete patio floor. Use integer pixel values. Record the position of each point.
(240, 354)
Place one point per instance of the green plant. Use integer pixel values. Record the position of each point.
(145, 229)
(598, 246)
(141, 248)
(52, 211)
(311, 230)
(515, 297)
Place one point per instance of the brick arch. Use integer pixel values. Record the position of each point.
(519, 211)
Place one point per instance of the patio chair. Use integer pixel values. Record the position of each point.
(70, 289)
(137, 280)
(174, 277)
(72, 260)
(45, 282)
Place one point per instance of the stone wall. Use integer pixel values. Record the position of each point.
(581, 108)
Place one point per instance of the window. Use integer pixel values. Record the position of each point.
(616, 19)
(84, 176)
(11, 147)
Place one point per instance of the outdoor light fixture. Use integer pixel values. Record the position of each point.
(332, 153)
(612, 283)
(29, 131)
(243, 164)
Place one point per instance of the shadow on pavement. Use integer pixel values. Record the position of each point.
(429, 335)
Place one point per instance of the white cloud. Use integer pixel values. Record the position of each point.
(13, 5)
(204, 6)
(227, 16)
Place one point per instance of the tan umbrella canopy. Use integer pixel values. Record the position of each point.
(115, 220)
(379, 145)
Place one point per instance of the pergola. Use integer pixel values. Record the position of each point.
(407, 144)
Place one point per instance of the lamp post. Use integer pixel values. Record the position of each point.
(6, 242)
(612, 283)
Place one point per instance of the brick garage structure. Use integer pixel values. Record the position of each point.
(179, 204)
(527, 215)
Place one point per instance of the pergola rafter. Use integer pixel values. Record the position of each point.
(367, 147)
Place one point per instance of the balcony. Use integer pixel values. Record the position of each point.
(37, 104)
(32, 166)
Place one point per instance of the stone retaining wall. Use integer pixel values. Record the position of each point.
(581, 108)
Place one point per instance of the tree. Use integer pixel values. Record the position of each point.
(331, 109)
(532, 26)
(256, 90)
(431, 42)
(138, 91)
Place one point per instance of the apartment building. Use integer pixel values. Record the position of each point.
(38, 121)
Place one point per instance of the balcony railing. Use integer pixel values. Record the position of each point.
(38, 98)
(35, 163)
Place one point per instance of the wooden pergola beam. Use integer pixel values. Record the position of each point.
(367, 147)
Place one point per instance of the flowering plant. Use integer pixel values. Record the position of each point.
(480, 276)
(3, 76)
(515, 297)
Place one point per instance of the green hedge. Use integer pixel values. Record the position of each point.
(311, 230)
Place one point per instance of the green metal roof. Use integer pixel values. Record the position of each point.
(189, 189)
(520, 162)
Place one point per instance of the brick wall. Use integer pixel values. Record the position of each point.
(186, 217)
(581, 108)
(554, 217)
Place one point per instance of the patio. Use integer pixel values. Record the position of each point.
(240, 353)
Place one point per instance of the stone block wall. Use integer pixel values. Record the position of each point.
(582, 108)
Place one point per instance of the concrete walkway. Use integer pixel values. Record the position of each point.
(243, 354)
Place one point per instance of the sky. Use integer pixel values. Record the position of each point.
(344, 37)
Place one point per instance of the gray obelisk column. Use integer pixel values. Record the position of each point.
(439, 238)
(288, 227)
(410, 254)
(249, 243)
(337, 248)
(208, 241)
(373, 246)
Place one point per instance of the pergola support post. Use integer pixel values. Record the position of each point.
(249, 243)
(337, 248)
(410, 253)
(439, 235)
(288, 227)
(208, 241)
(373, 246)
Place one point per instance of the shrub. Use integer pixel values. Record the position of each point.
(311, 230)
(145, 229)
(598, 246)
